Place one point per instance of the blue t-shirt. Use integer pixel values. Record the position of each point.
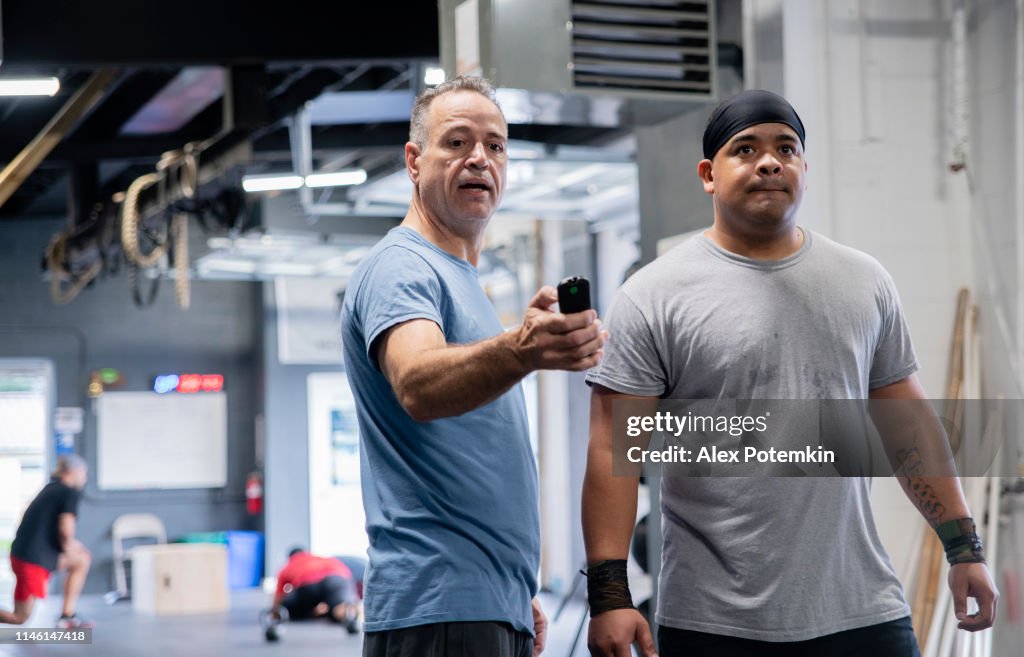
(451, 505)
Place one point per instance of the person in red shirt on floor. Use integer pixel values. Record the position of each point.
(310, 587)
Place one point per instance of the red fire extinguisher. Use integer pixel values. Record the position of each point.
(254, 493)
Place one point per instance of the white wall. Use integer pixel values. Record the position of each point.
(871, 80)
(995, 214)
(995, 35)
(873, 83)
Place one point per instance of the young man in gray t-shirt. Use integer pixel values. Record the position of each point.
(757, 308)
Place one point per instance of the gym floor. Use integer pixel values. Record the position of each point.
(122, 633)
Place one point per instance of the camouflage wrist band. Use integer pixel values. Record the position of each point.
(608, 586)
(960, 540)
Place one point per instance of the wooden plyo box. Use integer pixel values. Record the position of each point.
(180, 578)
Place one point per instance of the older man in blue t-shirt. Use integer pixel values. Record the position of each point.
(449, 480)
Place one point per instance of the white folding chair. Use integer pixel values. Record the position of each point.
(128, 527)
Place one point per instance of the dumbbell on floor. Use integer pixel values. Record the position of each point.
(273, 624)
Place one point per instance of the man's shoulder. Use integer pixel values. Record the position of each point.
(66, 494)
(397, 246)
(400, 276)
(843, 256)
(49, 498)
(666, 272)
(55, 489)
(397, 255)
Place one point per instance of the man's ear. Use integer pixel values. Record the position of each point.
(706, 176)
(412, 161)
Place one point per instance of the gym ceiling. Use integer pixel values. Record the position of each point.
(160, 75)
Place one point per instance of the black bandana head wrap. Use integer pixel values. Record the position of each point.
(745, 109)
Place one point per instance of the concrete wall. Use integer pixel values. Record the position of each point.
(873, 78)
(874, 82)
(996, 218)
(101, 328)
(287, 444)
(870, 80)
(994, 215)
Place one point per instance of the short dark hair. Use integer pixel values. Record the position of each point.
(295, 550)
(418, 120)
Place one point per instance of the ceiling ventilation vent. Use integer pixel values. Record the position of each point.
(643, 50)
(641, 46)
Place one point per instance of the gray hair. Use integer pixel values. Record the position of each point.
(69, 463)
(418, 120)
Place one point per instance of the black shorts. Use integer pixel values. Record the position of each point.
(485, 639)
(333, 590)
(892, 639)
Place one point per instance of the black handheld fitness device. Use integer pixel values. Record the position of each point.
(573, 295)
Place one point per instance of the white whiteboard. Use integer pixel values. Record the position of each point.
(148, 440)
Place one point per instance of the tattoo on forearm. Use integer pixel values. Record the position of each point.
(923, 495)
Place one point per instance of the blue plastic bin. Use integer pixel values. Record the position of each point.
(245, 559)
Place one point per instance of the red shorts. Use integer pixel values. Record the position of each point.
(32, 579)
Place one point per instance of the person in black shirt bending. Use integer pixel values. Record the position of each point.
(46, 542)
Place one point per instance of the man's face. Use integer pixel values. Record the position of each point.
(460, 173)
(758, 175)
(78, 478)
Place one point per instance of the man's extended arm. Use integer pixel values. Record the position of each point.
(609, 513)
(921, 459)
(433, 379)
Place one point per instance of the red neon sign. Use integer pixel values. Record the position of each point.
(200, 383)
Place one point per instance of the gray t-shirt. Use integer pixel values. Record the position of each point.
(771, 559)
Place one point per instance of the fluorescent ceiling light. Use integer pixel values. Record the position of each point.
(29, 87)
(433, 76)
(270, 183)
(288, 269)
(337, 178)
(291, 181)
(212, 263)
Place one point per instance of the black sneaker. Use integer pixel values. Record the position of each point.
(352, 623)
(74, 622)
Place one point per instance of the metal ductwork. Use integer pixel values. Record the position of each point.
(653, 50)
(642, 48)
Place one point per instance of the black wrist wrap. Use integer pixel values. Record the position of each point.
(960, 540)
(608, 587)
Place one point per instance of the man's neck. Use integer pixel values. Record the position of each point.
(772, 246)
(434, 231)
